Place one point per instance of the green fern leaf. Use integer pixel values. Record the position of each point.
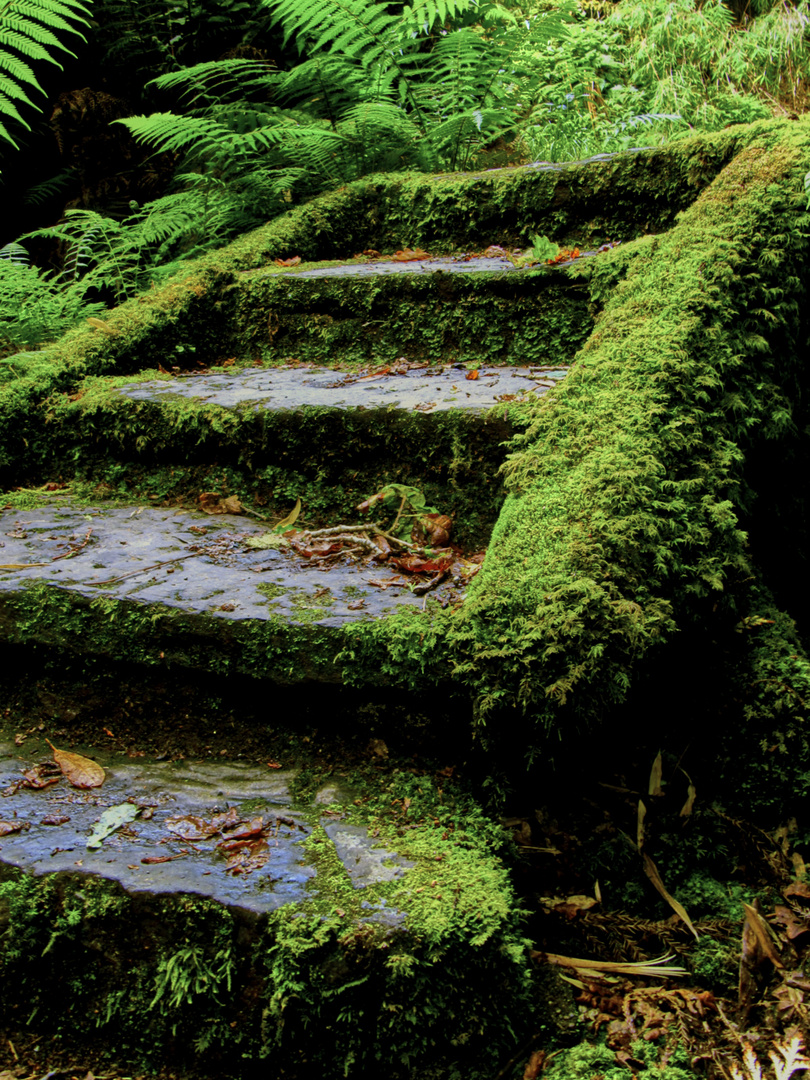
(27, 30)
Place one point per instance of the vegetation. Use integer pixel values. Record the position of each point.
(308, 96)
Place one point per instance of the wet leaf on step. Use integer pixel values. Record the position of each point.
(410, 255)
(471, 375)
(245, 856)
(55, 819)
(197, 828)
(110, 821)
(243, 829)
(80, 771)
(41, 776)
(294, 261)
(213, 503)
(418, 564)
(432, 530)
(7, 827)
(268, 540)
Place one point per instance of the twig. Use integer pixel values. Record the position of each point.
(399, 513)
(146, 569)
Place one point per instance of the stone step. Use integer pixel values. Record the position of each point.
(184, 589)
(217, 911)
(272, 435)
(463, 308)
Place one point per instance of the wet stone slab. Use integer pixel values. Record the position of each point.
(427, 389)
(149, 854)
(195, 562)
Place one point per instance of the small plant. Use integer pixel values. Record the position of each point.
(786, 1058)
(410, 507)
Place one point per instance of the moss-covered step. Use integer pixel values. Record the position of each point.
(185, 589)
(329, 437)
(209, 916)
(187, 319)
(479, 310)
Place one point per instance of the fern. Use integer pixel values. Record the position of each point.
(31, 29)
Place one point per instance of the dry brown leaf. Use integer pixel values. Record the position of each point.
(762, 932)
(79, 771)
(190, 827)
(691, 795)
(642, 813)
(651, 870)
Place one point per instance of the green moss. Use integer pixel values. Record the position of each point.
(622, 526)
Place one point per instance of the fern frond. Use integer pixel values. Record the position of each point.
(423, 15)
(172, 132)
(358, 29)
(27, 30)
(16, 253)
(219, 79)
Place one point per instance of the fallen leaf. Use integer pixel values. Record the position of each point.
(151, 860)
(110, 821)
(418, 564)
(243, 830)
(211, 502)
(294, 261)
(794, 925)
(55, 819)
(80, 771)
(410, 255)
(245, 856)
(197, 828)
(290, 519)
(273, 764)
(762, 933)
(7, 827)
(472, 375)
(651, 870)
(432, 530)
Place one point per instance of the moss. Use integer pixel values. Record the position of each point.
(622, 526)
(183, 980)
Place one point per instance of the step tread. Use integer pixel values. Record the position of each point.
(433, 388)
(130, 551)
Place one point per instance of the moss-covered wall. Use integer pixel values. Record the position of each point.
(623, 526)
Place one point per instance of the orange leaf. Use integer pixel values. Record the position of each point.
(294, 261)
(80, 771)
(472, 374)
(410, 255)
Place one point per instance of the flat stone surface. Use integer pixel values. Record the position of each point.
(165, 791)
(193, 561)
(441, 264)
(427, 389)
(58, 820)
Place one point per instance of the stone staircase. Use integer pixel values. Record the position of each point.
(330, 900)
